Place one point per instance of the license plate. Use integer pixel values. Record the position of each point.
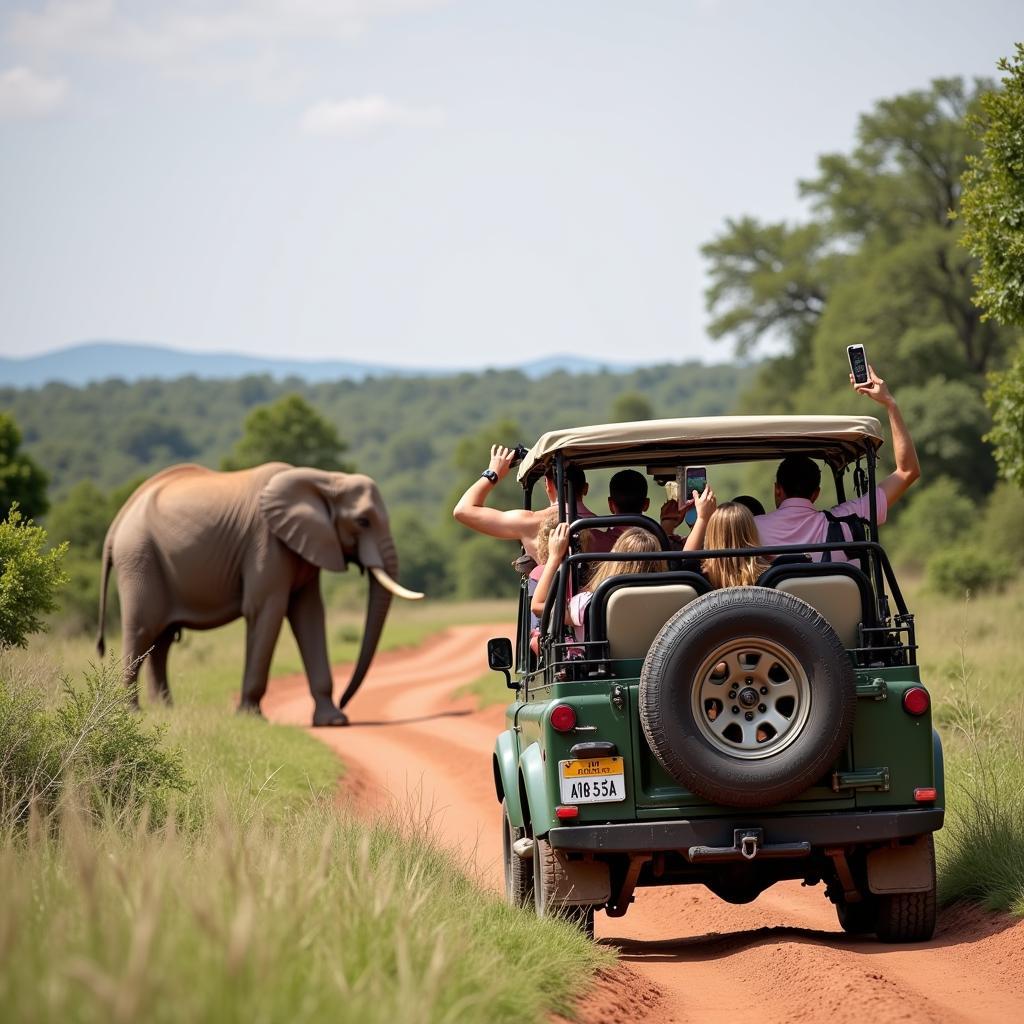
(595, 780)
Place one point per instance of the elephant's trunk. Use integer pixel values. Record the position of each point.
(378, 603)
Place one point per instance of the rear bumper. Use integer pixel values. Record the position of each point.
(839, 828)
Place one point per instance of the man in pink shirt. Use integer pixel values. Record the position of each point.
(798, 484)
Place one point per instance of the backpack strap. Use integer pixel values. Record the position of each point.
(835, 535)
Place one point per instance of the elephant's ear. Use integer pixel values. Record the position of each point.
(299, 515)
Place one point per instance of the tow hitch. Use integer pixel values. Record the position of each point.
(747, 843)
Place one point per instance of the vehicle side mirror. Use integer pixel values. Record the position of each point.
(501, 659)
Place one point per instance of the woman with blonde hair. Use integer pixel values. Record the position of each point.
(634, 541)
(732, 526)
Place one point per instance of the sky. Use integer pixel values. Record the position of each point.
(422, 182)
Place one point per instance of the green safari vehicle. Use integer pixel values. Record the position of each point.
(733, 738)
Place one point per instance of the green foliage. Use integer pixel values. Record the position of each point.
(935, 517)
(1002, 525)
(631, 406)
(993, 201)
(483, 568)
(1005, 398)
(82, 519)
(22, 482)
(29, 578)
(968, 569)
(92, 740)
(288, 430)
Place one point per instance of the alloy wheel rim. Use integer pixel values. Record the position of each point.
(751, 698)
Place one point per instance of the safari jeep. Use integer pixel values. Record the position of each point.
(732, 738)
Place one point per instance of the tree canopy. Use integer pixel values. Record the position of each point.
(879, 262)
(22, 481)
(288, 430)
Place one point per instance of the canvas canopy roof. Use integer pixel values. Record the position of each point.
(837, 440)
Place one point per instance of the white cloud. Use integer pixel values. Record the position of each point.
(354, 117)
(23, 93)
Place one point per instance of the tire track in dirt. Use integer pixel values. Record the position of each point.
(780, 959)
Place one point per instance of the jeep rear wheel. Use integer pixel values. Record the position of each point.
(908, 916)
(747, 696)
(545, 884)
(518, 872)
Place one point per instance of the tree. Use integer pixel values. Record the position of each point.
(993, 201)
(288, 430)
(22, 482)
(1005, 399)
(82, 519)
(29, 578)
(631, 406)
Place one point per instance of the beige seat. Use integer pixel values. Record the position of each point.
(837, 598)
(634, 615)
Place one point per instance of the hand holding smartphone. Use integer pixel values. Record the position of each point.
(858, 363)
(695, 478)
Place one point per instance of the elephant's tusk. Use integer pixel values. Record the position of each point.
(389, 584)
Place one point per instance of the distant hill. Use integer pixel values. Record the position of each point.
(104, 360)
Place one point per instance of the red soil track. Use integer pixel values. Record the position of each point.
(691, 957)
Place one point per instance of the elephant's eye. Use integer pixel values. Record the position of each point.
(363, 522)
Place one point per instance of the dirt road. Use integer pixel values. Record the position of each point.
(780, 959)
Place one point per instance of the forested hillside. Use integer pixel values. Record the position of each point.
(422, 439)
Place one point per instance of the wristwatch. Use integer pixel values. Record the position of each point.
(489, 474)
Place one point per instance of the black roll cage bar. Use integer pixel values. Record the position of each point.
(879, 568)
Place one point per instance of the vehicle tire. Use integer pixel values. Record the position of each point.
(858, 918)
(518, 872)
(747, 696)
(544, 884)
(908, 916)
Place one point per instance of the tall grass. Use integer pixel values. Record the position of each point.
(322, 919)
(253, 898)
(970, 658)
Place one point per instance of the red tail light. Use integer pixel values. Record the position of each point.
(566, 812)
(926, 794)
(563, 718)
(916, 701)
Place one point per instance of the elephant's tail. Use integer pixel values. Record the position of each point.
(108, 561)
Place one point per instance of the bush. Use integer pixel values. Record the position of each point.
(29, 578)
(934, 518)
(1002, 525)
(91, 738)
(954, 572)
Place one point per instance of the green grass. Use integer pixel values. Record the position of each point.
(261, 900)
(970, 657)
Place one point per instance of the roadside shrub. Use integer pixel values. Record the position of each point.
(29, 578)
(91, 739)
(956, 572)
(1002, 525)
(935, 517)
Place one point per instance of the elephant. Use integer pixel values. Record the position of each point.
(196, 549)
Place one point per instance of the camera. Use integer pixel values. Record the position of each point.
(518, 454)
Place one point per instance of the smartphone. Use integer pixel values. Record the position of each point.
(695, 479)
(858, 363)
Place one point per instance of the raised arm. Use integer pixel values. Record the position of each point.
(706, 504)
(472, 511)
(558, 545)
(908, 468)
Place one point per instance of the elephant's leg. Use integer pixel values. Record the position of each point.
(262, 630)
(139, 640)
(157, 667)
(306, 617)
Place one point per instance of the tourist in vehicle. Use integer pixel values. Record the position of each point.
(518, 524)
(748, 501)
(627, 496)
(796, 520)
(634, 540)
(732, 526)
(672, 517)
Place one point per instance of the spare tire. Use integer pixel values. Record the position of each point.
(747, 696)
